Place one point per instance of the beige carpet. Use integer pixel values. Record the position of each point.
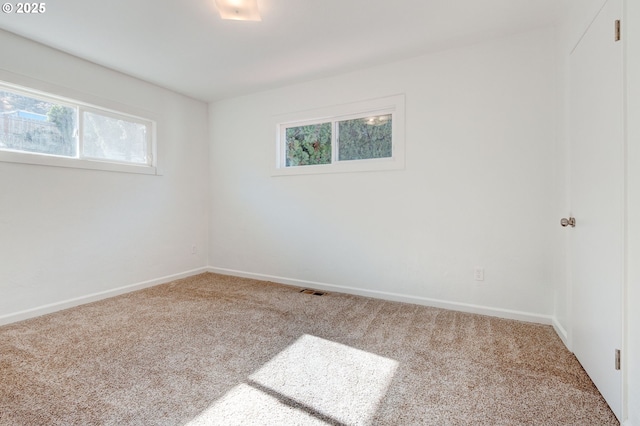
(221, 350)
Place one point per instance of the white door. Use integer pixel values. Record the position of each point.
(597, 202)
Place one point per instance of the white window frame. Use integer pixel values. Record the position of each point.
(393, 105)
(80, 161)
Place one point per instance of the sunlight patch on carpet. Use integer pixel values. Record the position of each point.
(341, 382)
(313, 381)
(245, 405)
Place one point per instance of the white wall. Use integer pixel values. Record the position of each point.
(68, 233)
(631, 27)
(481, 127)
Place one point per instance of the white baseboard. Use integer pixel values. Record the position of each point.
(396, 297)
(561, 332)
(456, 306)
(65, 304)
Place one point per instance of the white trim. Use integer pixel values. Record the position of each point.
(396, 297)
(561, 332)
(65, 304)
(627, 423)
(74, 163)
(370, 165)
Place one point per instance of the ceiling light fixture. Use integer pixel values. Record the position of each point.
(239, 10)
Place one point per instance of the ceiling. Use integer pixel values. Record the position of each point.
(185, 46)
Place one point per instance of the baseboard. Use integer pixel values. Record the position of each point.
(456, 306)
(561, 332)
(396, 297)
(58, 306)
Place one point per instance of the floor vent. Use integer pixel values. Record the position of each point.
(311, 291)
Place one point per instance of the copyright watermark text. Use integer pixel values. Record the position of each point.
(28, 8)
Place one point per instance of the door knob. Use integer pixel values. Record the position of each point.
(568, 222)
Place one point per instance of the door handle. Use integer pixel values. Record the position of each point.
(568, 222)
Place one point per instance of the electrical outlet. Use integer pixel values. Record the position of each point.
(478, 274)
(194, 249)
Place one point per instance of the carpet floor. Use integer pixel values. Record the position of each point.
(219, 350)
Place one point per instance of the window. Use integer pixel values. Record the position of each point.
(362, 136)
(38, 128)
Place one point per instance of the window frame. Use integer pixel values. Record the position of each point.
(390, 105)
(80, 161)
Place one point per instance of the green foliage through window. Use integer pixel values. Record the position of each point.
(361, 138)
(365, 138)
(308, 145)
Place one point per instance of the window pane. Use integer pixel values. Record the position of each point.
(33, 125)
(308, 145)
(365, 138)
(113, 139)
